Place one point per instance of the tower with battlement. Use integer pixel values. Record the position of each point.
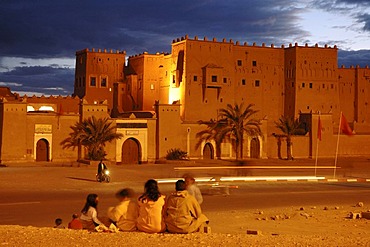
(97, 73)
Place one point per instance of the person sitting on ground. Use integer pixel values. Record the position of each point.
(89, 216)
(58, 223)
(192, 188)
(75, 223)
(151, 204)
(124, 215)
(183, 213)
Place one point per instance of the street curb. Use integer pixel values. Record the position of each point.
(269, 179)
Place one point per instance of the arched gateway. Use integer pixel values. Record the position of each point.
(208, 152)
(255, 148)
(131, 152)
(42, 150)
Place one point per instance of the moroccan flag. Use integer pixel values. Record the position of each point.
(319, 129)
(344, 126)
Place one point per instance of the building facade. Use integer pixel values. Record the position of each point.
(157, 100)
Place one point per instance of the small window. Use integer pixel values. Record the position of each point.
(243, 82)
(310, 84)
(173, 79)
(323, 85)
(225, 80)
(254, 63)
(214, 78)
(93, 81)
(303, 84)
(332, 86)
(151, 86)
(195, 78)
(239, 62)
(103, 82)
(257, 83)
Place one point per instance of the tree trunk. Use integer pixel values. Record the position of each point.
(279, 147)
(237, 150)
(241, 147)
(289, 148)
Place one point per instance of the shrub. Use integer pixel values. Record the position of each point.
(176, 154)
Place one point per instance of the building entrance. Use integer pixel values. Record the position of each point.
(131, 152)
(42, 150)
(255, 148)
(208, 152)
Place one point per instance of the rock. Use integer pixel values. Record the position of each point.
(254, 232)
(305, 215)
(366, 215)
(326, 208)
(302, 209)
(360, 204)
(353, 215)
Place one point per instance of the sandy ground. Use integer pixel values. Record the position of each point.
(307, 225)
(330, 225)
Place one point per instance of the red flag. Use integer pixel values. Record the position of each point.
(319, 129)
(344, 126)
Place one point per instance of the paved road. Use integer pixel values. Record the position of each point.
(37, 195)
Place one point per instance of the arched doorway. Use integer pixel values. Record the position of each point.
(255, 148)
(42, 150)
(208, 152)
(131, 152)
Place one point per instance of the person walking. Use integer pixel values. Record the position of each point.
(192, 188)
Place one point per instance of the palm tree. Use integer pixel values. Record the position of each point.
(289, 126)
(92, 133)
(239, 121)
(213, 132)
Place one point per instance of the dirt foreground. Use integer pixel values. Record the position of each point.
(330, 225)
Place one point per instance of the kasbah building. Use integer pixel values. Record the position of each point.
(156, 101)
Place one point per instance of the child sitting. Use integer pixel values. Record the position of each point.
(75, 223)
(58, 223)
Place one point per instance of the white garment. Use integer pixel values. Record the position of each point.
(91, 215)
(195, 191)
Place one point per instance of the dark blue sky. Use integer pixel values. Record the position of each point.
(39, 38)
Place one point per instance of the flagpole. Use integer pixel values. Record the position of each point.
(317, 144)
(317, 154)
(336, 152)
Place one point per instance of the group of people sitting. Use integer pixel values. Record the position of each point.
(152, 212)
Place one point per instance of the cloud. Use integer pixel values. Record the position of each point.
(42, 30)
(10, 84)
(364, 18)
(45, 29)
(358, 9)
(39, 79)
(348, 58)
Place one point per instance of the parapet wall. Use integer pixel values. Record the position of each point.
(238, 43)
(86, 50)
